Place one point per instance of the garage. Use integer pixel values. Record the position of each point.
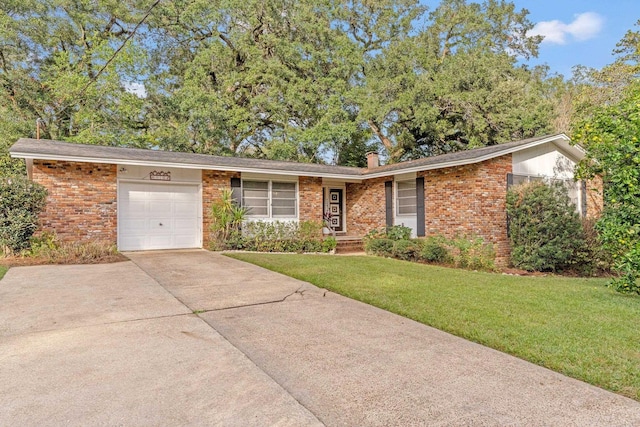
(158, 216)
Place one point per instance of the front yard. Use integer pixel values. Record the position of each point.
(575, 326)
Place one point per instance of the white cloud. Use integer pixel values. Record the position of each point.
(585, 26)
(136, 88)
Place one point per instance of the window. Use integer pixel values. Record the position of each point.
(255, 197)
(269, 199)
(406, 197)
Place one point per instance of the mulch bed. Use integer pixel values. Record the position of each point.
(16, 261)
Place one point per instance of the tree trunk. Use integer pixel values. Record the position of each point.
(388, 144)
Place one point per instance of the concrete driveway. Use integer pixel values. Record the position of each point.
(120, 344)
(107, 345)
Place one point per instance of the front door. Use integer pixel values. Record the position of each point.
(333, 205)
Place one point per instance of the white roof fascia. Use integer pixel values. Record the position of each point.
(343, 177)
(561, 140)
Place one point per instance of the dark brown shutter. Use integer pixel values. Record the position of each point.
(388, 193)
(420, 229)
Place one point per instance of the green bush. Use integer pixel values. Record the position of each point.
(281, 236)
(21, 201)
(408, 250)
(434, 249)
(463, 252)
(393, 232)
(329, 244)
(398, 232)
(629, 266)
(545, 231)
(380, 247)
(473, 253)
(594, 258)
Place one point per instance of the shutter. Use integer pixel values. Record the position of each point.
(583, 198)
(420, 229)
(388, 193)
(236, 191)
(509, 180)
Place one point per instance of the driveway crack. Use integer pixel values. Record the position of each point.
(300, 291)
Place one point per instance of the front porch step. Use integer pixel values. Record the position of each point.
(348, 244)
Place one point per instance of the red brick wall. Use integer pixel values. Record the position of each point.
(310, 198)
(595, 198)
(366, 207)
(470, 199)
(82, 199)
(213, 182)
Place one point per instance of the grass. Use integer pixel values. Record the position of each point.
(574, 326)
(3, 271)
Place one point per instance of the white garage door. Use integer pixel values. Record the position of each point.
(158, 216)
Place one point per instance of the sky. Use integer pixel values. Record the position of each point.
(577, 32)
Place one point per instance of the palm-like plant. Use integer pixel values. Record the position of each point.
(226, 219)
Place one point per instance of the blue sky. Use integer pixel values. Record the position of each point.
(577, 32)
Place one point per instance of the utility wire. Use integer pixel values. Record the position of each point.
(144, 18)
(93, 79)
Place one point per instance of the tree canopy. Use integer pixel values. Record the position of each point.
(610, 133)
(306, 80)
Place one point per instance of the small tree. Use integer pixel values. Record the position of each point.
(226, 219)
(21, 201)
(545, 231)
(609, 131)
(611, 137)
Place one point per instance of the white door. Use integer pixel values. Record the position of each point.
(158, 216)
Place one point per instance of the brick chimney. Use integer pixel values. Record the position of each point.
(373, 161)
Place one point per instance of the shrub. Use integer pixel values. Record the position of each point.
(629, 266)
(593, 258)
(329, 244)
(434, 249)
(46, 248)
(463, 252)
(398, 232)
(21, 201)
(544, 229)
(408, 250)
(473, 253)
(393, 232)
(381, 247)
(281, 236)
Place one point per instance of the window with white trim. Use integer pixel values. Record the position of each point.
(406, 197)
(270, 199)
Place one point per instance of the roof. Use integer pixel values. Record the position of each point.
(477, 155)
(57, 150)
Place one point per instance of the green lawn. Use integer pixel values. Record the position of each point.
(3, 271)
(572, 325)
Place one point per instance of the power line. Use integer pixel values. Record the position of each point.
(144, 18)
(93, 79)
